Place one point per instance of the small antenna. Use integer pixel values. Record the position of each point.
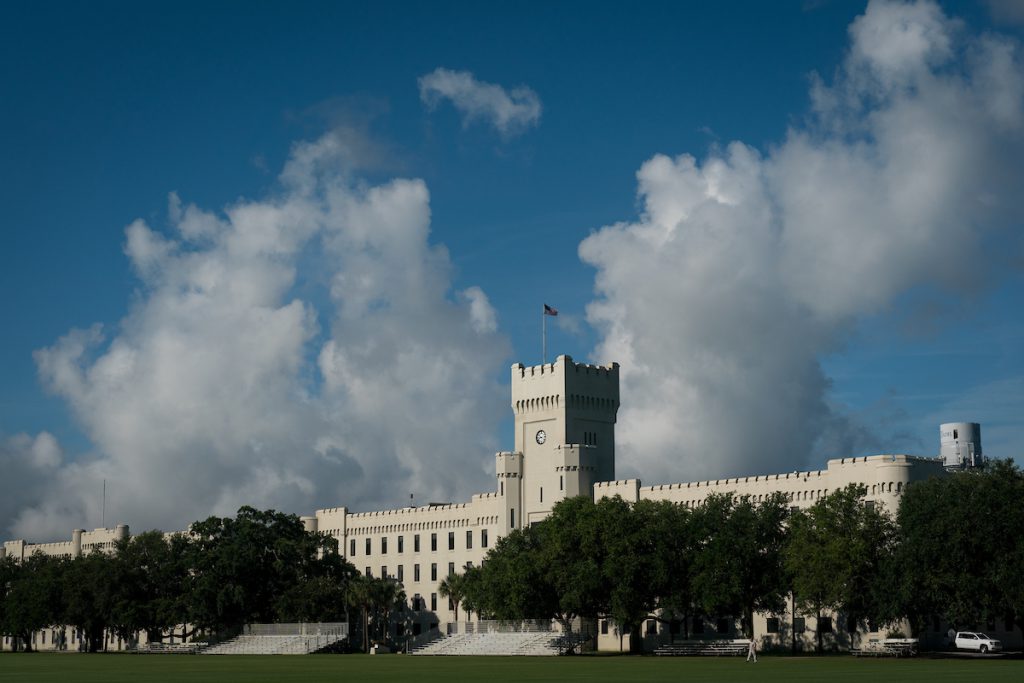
(104, 518)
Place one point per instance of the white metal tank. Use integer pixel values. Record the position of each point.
(961, 445)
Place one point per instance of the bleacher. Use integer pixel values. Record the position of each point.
(273, 645)
(171, 648)
(528, 639)
(706, 648)
(890, 647)
(528, 644)
(281, 639)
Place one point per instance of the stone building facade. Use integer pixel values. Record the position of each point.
(565, 415)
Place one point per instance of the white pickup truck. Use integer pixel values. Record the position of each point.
(970, 640)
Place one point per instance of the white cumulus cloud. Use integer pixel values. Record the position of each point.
(223, 386)
(509, 111)
(745, 268)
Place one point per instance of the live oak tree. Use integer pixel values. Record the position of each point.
(837, 555)
(959, 548)
(248, 568)
(738, 569)
(30, 596)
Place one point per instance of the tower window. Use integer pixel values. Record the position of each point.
(561, 482)
(542, 494)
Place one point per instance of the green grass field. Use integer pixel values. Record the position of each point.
(74, 668)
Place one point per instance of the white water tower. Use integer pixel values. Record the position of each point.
(961, 445)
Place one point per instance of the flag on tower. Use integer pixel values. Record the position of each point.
(550, 311)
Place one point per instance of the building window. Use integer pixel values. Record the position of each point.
(416, 573)
(369, 551)
(451, 540)
(417, 603)
(433, 571)
(825, 624)
(433, 543)
(383, 572)
(469, 539)
(604, 627)
(483, 538)
(368, 572)
(513, 518)
(772, 625)
(502, 485)
(433, 602)
(561, 482)
(652, 627)
(401, 573)
(352, 548)
(416, 543)
(451, 568)
(542, 494)
(798, 625)
(384, 545)
(451, 604)
(401, 544)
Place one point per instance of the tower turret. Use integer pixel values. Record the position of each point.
(565, 430)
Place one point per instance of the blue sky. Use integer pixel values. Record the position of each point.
(110, 107)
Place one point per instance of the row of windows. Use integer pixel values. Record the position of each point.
(399, 575)
(726, 626)
(420, 526)
(400, 543)
(885, 487)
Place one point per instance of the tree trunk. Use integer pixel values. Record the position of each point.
(636, 639)
(817, 628)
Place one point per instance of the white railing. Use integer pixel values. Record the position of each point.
(298, 629)
(495, 626)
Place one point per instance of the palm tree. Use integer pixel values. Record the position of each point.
(453, 588)
(360, 594)
(388, 595)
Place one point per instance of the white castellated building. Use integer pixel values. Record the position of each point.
(565, 414)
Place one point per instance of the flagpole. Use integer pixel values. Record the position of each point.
(543, 337)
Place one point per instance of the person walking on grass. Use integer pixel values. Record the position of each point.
(752, 652)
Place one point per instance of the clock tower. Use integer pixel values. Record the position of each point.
(564, 430)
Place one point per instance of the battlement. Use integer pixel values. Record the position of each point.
(330, 511)
(399, 512)
(615, 484)
(566, 365)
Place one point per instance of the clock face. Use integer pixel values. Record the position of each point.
(541, 436)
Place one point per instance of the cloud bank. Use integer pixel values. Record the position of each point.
(225, 386)
(745, 268)
(510, 112)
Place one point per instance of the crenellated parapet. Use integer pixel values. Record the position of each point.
(565, 384)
